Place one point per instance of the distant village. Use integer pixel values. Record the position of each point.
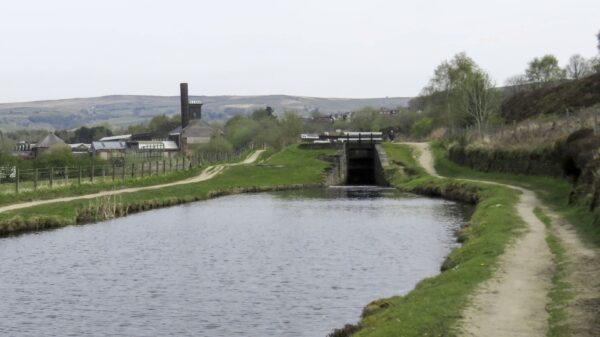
(192, 131)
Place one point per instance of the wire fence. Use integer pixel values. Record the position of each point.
(16, 180)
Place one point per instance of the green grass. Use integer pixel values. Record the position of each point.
(560, 291)
(554, 192)
(434, 307)
(291, 166)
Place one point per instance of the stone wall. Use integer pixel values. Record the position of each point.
(541, 162)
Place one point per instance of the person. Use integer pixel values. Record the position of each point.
(391, 135)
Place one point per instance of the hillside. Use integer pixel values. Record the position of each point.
(121, 111)
(571, 95)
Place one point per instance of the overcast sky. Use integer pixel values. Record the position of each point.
(328, 48)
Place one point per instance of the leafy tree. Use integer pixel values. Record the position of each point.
(259, 114)
(578, 67)
(439, 97)
(217, 144)
(364, 120)
(544, 70)
(422, 127)
(291, 127)
(240, 130)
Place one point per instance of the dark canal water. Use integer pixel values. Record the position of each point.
(273, 264)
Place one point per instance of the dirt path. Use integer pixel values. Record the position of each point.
(513, 302)
(207, 174)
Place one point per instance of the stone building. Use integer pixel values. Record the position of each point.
(193, 129)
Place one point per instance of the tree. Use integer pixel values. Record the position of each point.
(595, 64)
(440, 93)
(479, 98)
(516, 84)
(544, 70)
(422, 127)
(578, 67)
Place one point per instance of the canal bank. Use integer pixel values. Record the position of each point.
(434, 306)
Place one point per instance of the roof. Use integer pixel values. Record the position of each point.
(115, 138)
(80, 145)
(50, 140)
(109, 145)
(198, 128)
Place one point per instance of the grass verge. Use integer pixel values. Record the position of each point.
(434, 307)
(560, 292)
(290, 168)
(553, 192)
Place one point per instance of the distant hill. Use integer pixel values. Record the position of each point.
(120, 111)
(556, 99)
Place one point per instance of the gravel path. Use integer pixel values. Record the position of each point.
(208, 173)
(513, 302)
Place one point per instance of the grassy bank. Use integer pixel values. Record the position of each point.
(291, 168)
(560, 292)
(554, 192)
(87, 187)
(434, 307)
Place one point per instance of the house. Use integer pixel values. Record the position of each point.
(24, 150)
(154, 148)
(80, 148)
(118, 138)
(109, 149)
(193, 129)
(46, 143)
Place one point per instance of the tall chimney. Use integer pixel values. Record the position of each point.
(185, 105)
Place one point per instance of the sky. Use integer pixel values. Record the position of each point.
(326, 48)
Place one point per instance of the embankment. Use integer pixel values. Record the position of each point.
(291, 168)
(434, 307)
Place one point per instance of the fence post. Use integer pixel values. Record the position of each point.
(113, 172)
(157, 167)
(143, 166)
(16, 179)
(51, 177)
(176, 164)
(66, 175)
(132, 170)
(103, 173)
(35, 179)
(170, 164)
(164, 167)
(123, 172)
(92, 173)
(79, 177)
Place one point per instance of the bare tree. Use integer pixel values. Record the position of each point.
(578, 67)
(479, 98)
(516, 84)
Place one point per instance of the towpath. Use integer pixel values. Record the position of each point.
(207, 174)
(513, 302)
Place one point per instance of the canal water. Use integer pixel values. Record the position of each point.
(269, 264)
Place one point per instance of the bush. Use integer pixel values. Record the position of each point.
(422, 127)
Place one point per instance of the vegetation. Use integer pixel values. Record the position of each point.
(560, 292)
(434, 306)
(290, 168)
(554, 192)
(459, 94)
